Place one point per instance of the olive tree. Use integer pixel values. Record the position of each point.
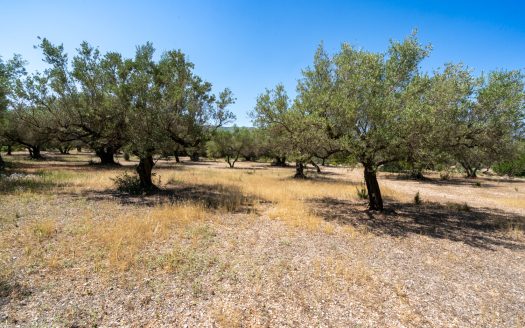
(81, 98)
(167, 104)
(478, 121)
(364, 100)
(230, 144)
(292, 130)
(10, 71)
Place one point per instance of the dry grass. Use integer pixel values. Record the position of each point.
(288, 197)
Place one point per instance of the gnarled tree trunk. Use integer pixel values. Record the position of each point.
(232, 161)
(279, 161)
(2, 163)
(375, 201)
(194, 157)
(64, 150)
(106, 155)
(34, 152)
(317, 168)
(177, 159)
(144, 170)
(471, 171)
(9, 150)
(299, 171)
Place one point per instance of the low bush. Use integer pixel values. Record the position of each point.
(128, 183)
(511, 168)
(361, 192)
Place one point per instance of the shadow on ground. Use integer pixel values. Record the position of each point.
(483, 228)
(229, 198)
(456, 181)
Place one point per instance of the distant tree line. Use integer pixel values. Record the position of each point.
(355, 106)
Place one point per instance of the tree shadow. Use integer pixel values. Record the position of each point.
(477, 227)
(217, 197)
(456, 181)
(17, 182)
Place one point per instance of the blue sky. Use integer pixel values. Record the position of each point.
(252, 45)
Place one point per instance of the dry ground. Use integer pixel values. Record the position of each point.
(252, 247)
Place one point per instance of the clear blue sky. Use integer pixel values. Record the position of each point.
(251, 45)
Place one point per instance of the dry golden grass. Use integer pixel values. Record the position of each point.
(288, 197)
(514, 202)
(125, 237)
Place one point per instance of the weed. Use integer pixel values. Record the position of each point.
(459, 207)
(128, 183)
(417, 199)
(44, 229)
(362, 192)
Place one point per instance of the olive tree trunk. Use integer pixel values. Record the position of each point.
(232, 160)
(34, 152)
(106, 155)
(144, 170)
(64, 150)
(317, 168)
(279, 161)
(470, 170)
(375, 201)
(2, 163)
(299, 171)
(9, 150)
(194, 157)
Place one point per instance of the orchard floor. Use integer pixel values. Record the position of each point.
(251, 247)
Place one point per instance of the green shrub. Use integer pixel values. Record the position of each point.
(128, 183)
(511, 168)
(394, 167)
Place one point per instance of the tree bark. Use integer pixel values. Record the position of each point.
(144, 171)
(64, 150)
(322, 163)
(318, 169)
(177, 159)
(34, 152)
(299, 171)
(106, 155)
(232, 162)
(471, 171)
(375, 201)
(194, 157)
(9, 150)
(279, 161)
(2, 163)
